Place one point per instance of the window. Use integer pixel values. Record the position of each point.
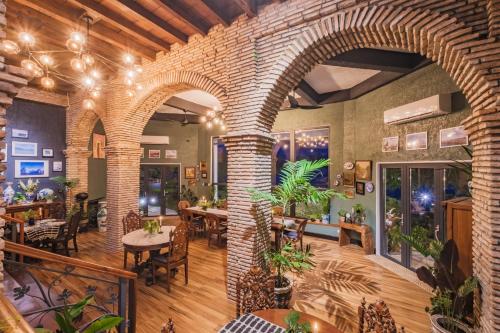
(313, 145)
(219, 168)
(280, 155)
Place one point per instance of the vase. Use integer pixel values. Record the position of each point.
(437, 327)
(30, 196)
(282, 295)
(8, 194)
(101, 216)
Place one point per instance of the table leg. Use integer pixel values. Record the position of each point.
(125, 255)
(149, 264)
(344, 238)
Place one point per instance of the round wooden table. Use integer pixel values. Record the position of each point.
(141, 241)
(277, 316)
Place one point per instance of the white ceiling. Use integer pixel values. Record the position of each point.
(324, 78)
(200, 97)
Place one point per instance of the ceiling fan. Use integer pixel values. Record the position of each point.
(183, 122)
(294, 104)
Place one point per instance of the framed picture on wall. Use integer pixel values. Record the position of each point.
(24, 148)
(154, 153)
(349, 193)
(190, 172)
(416, 141)
(33, 169)
(171, 153)
(57, 166)
(390, 144)
(453, 137)
(360, 188)
(348, 177)
(363, 170)
(18, 133)
(203, 166)
(98, 145)
(47, 152)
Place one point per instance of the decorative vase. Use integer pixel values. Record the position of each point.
(30, 196)
(437, 327)
(101, 216)
(282, 295)
(31, 221)
(8, 194)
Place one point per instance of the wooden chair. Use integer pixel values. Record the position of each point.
(183, 204)
(215, 226)
(254, 291)
(69, 233)
(176, 256)
(376, 318)
(277, 211)
(132, 222)
(57, 211)
(223, 204)
(195, 223)
(295, 236)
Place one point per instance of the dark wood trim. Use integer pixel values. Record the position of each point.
(175, 33)
(217, 14)
(249, 7)
(187, 18)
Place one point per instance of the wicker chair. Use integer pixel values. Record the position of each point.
(215, 226)
(195, 223)
(69, 233)
(254, 291)
(176, 256)
(295, 236)
(132, 222)
(376, 318)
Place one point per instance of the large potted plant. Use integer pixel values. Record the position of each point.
(451, 302)
(284, 260)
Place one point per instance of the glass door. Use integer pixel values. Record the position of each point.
(392, 212)
(159, 189)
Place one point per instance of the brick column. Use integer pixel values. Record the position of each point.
(77, 166)
(493, 8)
(122, 188)
(249, 166)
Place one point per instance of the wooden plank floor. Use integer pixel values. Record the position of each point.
(332, 291)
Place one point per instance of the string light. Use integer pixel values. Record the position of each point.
(73, 46)
(130, 93)
(213, 117)
(95, 74)
(26, 38)
(29, 65)
(88, 59)
(203, 119)
(88, 82)
(209, 125)
(95, 93)
(77, 64)
(47, 60)
(48, 82)
(88, 104)
(128, 59)
(77, 37)
(10, 47)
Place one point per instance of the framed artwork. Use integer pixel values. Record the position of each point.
(154, 153)
(57, 166)
(190, 173)
(369, 187)
(390, 144)
(453, 137)
(47, 152)
(416, 141)
(24, 148)
(360, 188)
(142, 152)
(33, 169)
(363, 170)
(18, 133)
(349, 178)
(204, 174)
(203, 166)
(349, 193)
(98, 145)
(172, 153)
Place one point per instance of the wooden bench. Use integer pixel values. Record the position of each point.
(365, 232)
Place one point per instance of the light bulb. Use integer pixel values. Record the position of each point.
(28, 65)
(128, 59)
(10, 47)
(95, 74)
(88, 59)
(138, 69)
(223, 127)
(27, 38)
(128, 81)
(73, 46)
(88, 82)
(88, 104)
(77, 64)
(77, 37)
(131, 73)
(47, 60)
(209, 125)
(47, 82)
(130, 93)
(221, 123)
(95, 93)
(203, 119)
(38, 72)
(139, 87)
(211, 114)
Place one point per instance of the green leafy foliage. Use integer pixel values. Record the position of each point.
(188, 195)
(289, 259)
(293, 325)
(65, 183)
(152, 226)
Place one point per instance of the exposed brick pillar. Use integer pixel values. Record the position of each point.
(484, 132)
(122, 188)
(493, 8)
(249, 166)
(77, 166)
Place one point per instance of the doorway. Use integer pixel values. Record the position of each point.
(159, 189)
(410, 198)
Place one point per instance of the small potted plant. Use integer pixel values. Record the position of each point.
(342, 213)
(19, 198)
(29, 217)
(29, 188)
(358, 213)
(203, 203)
(152, 227)
(287, 259)
(293, 324)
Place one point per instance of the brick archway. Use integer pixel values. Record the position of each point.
(453, 46)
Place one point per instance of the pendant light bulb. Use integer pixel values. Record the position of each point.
(48, 82)
(203, 119)
(95, 74)
(73, 46)
(130, 93)
(139, 87)
(95, 93)
(77, 64)
(10, 47)
(138, 69)
(88, 104)
(88, 82)
(29, 65)
(88, 59)
(216, 120)
(128, 59)
(47, 60)
(26, 38)
(128, 81)
(209, 125)
(77, 37)
(131, 73)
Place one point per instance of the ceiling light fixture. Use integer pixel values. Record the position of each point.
(213, 117)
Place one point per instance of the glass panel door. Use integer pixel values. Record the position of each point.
(159, 189)
(392, 213)
(153, 190)
(171, 189)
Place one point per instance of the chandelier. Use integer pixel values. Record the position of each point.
(311, 142)
(86, 66)
(214, 117)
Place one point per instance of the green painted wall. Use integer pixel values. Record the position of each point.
(97, 170)
(357, 129)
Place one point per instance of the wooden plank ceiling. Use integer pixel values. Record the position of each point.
(140, 27)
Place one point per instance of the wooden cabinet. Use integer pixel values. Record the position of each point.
(459, 228)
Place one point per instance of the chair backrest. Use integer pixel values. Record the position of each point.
(223, 204)
(57, 211)
(254, 291)
(183, 204)
(301, 228)
(186, 215)
(73, 225)
(213, 222)
(180, 242)
(131, 222)
(376, 318)
(277, 211)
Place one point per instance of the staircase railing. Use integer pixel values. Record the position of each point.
(55, 281)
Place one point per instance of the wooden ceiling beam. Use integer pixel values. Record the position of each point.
(249, 7)
(217, 14)
(187, 18)
(121, 22)
(175, 33)
(70, 17)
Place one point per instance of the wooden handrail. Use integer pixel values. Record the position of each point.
(10, 319)
(56, 258)
(11, 219)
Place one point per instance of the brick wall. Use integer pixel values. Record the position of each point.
(251, 66)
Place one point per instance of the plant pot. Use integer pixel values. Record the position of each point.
(30, 196)
(31, 221)
(282, 295)
(436, 323)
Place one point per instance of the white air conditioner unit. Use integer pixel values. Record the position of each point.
(155, 139)
(433, 106)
